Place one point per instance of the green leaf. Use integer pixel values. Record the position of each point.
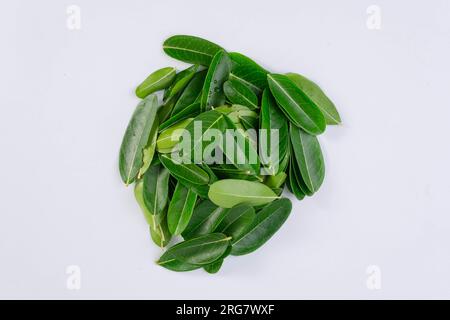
(205, 122)
(190, 93)
(158, 80)
(216, 265)
(271, 118)
(205, 219)
(191, 49)
(218, 72)
(137, 138)
(202, 250)
(181, 208)
(230, 192)
(317, 96)
(166, 109)
(244, 154)
(169, 262)
(170, 137)
(156, 189)
(229, 171)
(276, 181)
(160, 233)
(265, 225)
(294, 185)
(239, 93)
(237, 220)
(309, 158)
(187, 172)
(190, 112)
(139, 195)
(248, 72)
(296, 105)
(181, 81)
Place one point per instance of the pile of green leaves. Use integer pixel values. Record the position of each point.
(221, 209)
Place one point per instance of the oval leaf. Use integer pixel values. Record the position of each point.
(296, 105)
(191, 49)
(274, 126)
(266, 223)
(316, 95)
(238, 93)
(230, 192)
(248, 72)
(201, 250)
(309, 158)
(181, 207)
(237, 221)
(158, 80)
(137, 137)
(205, 219)
(169, 262)
(188, 172)
(191, 93)
(156, 189)
(169, 138)
(218, 72)
(189, 112)
(181, 81)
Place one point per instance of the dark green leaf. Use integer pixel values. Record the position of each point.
(237, 221)
(181, 208)
(317, 96)
(216, 265)
(191, 93)
(218, 72)
(187, 172)
(156, 189)
(309, 158)
(137, 138)
(244, 154)
(296, 105)
(273, 124)
(202, 250)
(181, 81)
(248, 72)
(169, 262)
(205, 219)
(294, 185)
(206, 122)
(238, 93)
(191, 49)
(189, 112)
(265, 225)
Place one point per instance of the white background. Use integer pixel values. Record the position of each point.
(67, 95)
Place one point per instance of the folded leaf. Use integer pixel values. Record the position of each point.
(137, 138)
(309, 158)
(317, 96)
(296, 105)
(218, 72)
